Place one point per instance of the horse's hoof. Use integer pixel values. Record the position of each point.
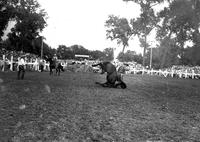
(123, 86)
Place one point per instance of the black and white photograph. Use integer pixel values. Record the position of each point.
(99, 70)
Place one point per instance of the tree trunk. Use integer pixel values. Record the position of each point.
(144, 56)
(123, 48)
(145, 47)
(163, 60)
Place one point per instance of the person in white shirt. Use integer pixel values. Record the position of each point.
(21, 68)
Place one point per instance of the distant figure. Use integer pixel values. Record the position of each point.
(21, 68)
(36, 64)
(53, 64)
(41, 65)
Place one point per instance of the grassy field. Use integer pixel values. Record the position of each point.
(72, 108)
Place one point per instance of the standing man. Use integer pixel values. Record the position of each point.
(41, 65)
(21, 68)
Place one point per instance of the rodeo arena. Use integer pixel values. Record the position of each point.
(76, 105)
(62, 80)
(9, 62)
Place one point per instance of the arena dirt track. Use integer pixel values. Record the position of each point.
(72, 108)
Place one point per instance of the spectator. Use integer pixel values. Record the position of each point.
(21, 68)
(41, 65)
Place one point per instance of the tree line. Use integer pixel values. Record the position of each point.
(176, 25)
(29, 20)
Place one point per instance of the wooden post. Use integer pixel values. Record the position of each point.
(151, 59)
(42, 47)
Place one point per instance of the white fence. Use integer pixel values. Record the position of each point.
(166, 73)
(180, 73)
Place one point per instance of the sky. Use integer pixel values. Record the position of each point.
(82, 22)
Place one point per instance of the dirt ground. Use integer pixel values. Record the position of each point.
(72, 108)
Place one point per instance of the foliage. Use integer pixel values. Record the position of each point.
(97, 55)
(144, 24)
(109, 54)
(47, 50)
(130, 56)
(7, 12)
(64, 52)
(191, 56)
(78, 49)
(118, 29)
(180, 23)
(30, 20)
(177, 23)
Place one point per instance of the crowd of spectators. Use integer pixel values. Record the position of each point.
(35, 63)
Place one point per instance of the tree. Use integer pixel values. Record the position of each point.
(191, 56)
(109, 54)
(97, 55)
(180, 24)
(144, 24)
(48, 51)
(64, 52)
(6, 45)
(126, 57)
(7, 13)
(118, 29)
(130, 56)
(30, 21)
(78, 49)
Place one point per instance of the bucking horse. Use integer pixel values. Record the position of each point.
(55, 65)
(114, 78)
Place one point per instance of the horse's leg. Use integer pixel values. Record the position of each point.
(120, 81)
(111, 79)
(103, 84)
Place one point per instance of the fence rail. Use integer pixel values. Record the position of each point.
(165, 73)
